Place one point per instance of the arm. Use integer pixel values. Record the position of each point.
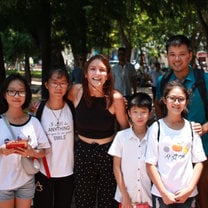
(75, 94)
(126, 201)
(182, 195)
(168, 198)
(119, 108)
(205, 128)
(198, 128)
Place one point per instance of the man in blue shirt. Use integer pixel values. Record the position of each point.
(179, 55)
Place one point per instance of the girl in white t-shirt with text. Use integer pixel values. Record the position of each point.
(174, 153)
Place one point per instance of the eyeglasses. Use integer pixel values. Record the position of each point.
(61, 84)
(16, 92)
(173, 99)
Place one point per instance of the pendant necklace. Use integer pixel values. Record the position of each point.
(57, 117)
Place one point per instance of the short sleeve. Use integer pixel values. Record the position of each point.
(116, 146)
(151, 155)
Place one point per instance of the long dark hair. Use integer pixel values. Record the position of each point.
(108, 86)
(3, 102)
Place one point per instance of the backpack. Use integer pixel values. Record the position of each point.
(200, 84)
(42, 104)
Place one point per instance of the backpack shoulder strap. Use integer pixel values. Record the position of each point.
(42, 104)
(158, 132)
(192, 134)
(165, 80)
(201, 85)
(72, 108)
(40, 109)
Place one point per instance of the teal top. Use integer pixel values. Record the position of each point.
(196, 111)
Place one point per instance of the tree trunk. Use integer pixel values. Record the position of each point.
(44, 34)
(2, 68)
(126, 42)
(27, 69)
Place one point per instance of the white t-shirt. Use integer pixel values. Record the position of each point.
(60, 156)
(131, 150)
(12, 174)
(174, 155)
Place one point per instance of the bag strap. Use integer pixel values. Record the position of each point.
(201, 85)
(38, 116)
(158, 132)
(192, 134)
(8, 125)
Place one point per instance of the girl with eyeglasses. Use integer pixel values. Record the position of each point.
(174, 152)
(54, 186)
(16, 186)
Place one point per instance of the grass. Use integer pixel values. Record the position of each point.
(34, 73)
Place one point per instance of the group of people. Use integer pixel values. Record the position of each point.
(156, 166)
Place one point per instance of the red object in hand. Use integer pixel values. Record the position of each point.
(14, 144)
(138, 205)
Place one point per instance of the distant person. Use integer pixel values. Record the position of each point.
(154, 74)
(128, 150)
(77, 72)
(124, 74)
(174, 153)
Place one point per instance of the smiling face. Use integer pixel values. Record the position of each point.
(139, 116)
(175, 101)
(96, 73)
(179, 57)
(57, 85)
(16, 94)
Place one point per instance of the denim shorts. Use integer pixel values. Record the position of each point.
(24, 192)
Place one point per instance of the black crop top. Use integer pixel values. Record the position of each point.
(95, 122)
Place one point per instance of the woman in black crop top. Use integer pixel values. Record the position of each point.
(98, 106)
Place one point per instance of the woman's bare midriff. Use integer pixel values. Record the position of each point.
(97, 141)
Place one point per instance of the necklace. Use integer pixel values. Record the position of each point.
(57, 117)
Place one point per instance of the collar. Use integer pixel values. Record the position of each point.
(132, 135)
(189, 77)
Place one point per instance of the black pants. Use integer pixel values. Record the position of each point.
(94, 179)
(186, 204)
(53, 192)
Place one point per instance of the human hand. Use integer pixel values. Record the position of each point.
(126, 202)
(34, 106)
(197, 127)
(169, 198)
(25, 152)
(5, 151)
(182, 195)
